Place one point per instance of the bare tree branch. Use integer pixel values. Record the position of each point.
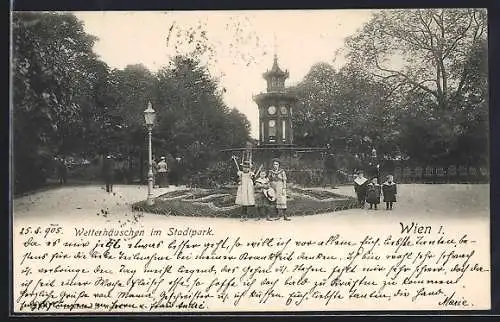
(406, 77)
(386, 97)
(453, 46)
(427, 28)
(384, 77)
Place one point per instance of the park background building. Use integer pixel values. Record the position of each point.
(276, 108)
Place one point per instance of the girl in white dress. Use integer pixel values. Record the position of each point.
(245, 196)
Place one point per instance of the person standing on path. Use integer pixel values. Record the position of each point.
(162, 172)
(373, 194)
(62, 171)
(331, 170)
(360, 187)
(263, 200)
(245, 195)
(154, 165)
(389, 190)
(277, 177)
(108, 169)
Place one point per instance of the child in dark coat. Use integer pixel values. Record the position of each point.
(389, 190)
(373, 194)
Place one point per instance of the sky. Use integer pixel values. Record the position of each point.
(243, 42)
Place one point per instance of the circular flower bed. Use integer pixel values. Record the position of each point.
(220, 202)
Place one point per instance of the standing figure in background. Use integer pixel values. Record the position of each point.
(331, 170)
(360, 187)
(389, 190)
(373, 194)
(154, 165)
(277, 177)
(108, 169)
(162, 172)
(245, 196)
(62, 170)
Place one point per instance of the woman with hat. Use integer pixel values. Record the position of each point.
(277, 177)
(162, 172)
(245, 195)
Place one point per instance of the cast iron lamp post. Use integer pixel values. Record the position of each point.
(149, 117)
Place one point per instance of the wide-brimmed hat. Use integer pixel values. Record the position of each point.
(270, 194)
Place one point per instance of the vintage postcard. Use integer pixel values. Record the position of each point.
(250, 161)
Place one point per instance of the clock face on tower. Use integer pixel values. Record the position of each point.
(283, 110)
(271, 110)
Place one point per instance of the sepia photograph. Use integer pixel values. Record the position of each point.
(249, 161)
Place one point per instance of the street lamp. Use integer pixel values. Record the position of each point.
(149, 117)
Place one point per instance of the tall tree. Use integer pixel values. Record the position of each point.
(434, 62)
(424, 49)
(52, 71)
(193, 120)
(345, 110)
(130, 90)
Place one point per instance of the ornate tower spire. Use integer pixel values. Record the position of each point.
(276, 77)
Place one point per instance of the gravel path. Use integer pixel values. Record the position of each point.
(91, 204)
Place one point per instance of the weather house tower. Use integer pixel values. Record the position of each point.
(275, 109)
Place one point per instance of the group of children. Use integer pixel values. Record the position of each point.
(266, 192)
(262, 192)
(370, 192)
